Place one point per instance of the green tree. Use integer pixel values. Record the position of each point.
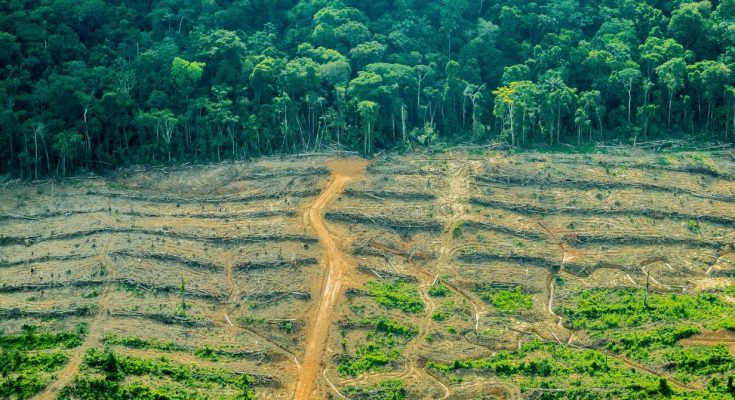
(69, 145)
(368, 111)
(628, 77)
(671, 74)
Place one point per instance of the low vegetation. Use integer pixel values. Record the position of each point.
(115, 376)
(556, 371)
(601, 309)
(29, 359)
(505, 300)
(400, 295)
(389, 389)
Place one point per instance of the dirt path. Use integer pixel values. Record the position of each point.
(93, 336)
(455, 200)
(550, 303)
(342, 172)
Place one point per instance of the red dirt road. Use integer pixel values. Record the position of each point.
(342, 172)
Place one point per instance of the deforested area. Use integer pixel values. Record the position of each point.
(449, 275)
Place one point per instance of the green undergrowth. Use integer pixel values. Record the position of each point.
(505, 300)
(29, 359)
(399, 295)
(375, 354)
(35, 338)
(390, 326)
(389, 389)
(380, 348)
(558, 371)
(108, 375)
(449, 308)
(602, 309)
(24, 374)
(439, 290)
(134, 342)
(648, 328)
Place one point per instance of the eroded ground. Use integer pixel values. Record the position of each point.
(445, 276)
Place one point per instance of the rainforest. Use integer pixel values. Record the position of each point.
(99, 84)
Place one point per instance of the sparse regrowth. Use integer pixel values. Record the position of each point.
(400, 295)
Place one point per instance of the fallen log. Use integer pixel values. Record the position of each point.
(406, 226)
(51, 214)
(194, 200)
(696, 242)
(525, 234)
(166, 234)
(573, 183)
(267, 173)
(528, 209)
(31, 287)
(169, 258)
(190, 292)
(36, 260)
(167, 319)
(387, 275)
(16, 313)
(293, 263)
(691, 169)
(387, 194)
(275, 296)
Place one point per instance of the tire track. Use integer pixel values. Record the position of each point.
(343, 171)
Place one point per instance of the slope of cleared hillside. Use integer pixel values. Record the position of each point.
(441, 276)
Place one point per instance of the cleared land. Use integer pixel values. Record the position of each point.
(446, 276)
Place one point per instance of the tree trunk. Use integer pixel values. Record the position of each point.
(671, 99)
(512, 130)
(403, 121)
(579, 135)
(558, 124)
(35, 161)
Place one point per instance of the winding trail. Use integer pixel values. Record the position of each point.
(342, 172)
(91, 339)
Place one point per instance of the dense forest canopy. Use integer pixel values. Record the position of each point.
(93, 83)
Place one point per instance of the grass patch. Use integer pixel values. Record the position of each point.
(29, 359)
(600, 309)
(399, 295)
(570, 372)
(505, 300)
(117, 369)
(373, 355)
(391, 326)
(131, 289)
(33, 338)
(439, 290)
(389, 389)
(134, 342)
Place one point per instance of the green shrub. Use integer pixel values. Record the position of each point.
(693, 226)
(390, 326)
(371, 356)
(438, 290)
(507, 301)
(400, 295)
(116, 368)
(390, 389)
(33, 339)
(439, 316)
(600, 309)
